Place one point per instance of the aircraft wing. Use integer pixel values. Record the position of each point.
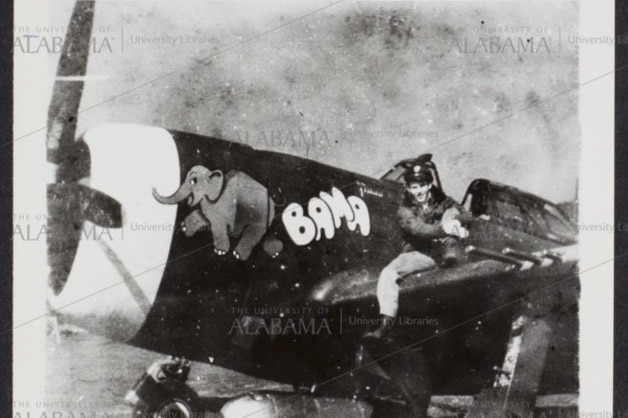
(361, 282)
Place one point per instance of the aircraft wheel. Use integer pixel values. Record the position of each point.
(181, 402)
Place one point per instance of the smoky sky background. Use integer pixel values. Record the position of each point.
(370, 82)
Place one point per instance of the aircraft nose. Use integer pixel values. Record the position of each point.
(117, 268)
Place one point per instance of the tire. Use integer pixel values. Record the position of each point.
(180, 402)
(174, 408)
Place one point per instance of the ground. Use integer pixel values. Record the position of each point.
(89, 374)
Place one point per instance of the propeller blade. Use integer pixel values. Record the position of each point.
(66, 96)
(69, 204)
(84, 203)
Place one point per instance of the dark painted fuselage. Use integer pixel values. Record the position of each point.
(204, 297)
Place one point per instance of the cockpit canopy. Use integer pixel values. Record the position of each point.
(505, 205)
(519, 210)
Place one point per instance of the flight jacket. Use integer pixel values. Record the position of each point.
(421, 227)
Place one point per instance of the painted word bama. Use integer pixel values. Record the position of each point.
(324, 216)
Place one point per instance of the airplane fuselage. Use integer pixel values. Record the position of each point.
(294, 310)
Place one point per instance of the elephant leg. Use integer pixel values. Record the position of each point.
(221, 237)
(272, 246)
(194, 222)
(221, 215)
(251, 236)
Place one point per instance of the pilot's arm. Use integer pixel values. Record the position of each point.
(414, 225)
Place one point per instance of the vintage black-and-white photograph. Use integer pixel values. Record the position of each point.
(301, 209)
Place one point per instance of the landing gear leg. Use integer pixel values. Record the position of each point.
(162, 392)
(517, 383)
(410, 372)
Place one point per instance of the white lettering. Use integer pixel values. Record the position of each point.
(362, 218)
(324, 216)
(339, 206)
(301, 229)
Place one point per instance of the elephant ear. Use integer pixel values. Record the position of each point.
(215, 182)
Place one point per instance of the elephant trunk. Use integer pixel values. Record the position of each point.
(181, 193)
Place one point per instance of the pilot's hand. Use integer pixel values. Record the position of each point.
(453, 227)
(462, 232)
(485, 217)
(450, 226)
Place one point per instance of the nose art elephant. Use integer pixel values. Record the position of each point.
(233, 204)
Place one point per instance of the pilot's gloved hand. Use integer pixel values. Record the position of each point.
(453, 227)
(450, 225)
(462, 232)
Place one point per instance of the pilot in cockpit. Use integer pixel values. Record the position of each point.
(433, 226)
